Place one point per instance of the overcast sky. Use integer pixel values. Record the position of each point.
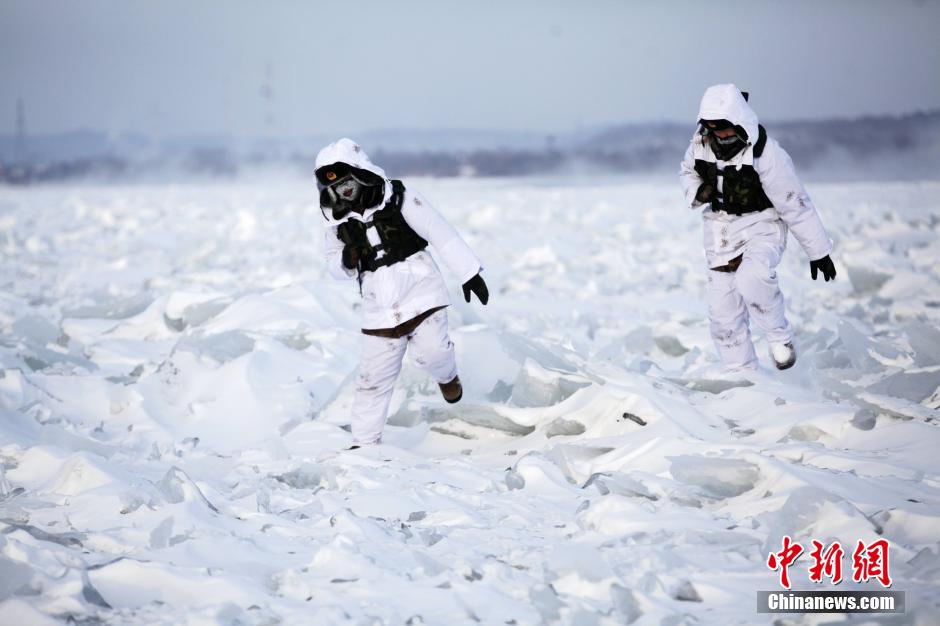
(181, 67)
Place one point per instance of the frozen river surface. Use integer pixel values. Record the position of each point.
(176, 372)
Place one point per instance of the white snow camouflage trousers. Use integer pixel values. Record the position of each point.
(380, 364)
(752, 292)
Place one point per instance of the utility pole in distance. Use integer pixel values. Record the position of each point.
(267, 94)
(19, 144)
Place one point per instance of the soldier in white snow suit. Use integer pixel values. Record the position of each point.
(751, 197)
(378, 232)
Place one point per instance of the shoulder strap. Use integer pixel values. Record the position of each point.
(398, 195)
(761, 141)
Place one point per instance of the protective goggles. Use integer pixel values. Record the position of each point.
(713, 125)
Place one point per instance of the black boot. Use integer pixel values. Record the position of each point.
(452, 391)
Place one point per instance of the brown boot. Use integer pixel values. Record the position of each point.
(452, 391)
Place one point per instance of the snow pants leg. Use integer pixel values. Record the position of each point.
(751, 292)
(380, 364)
(728, 322)
(756, 281)
(432, 350)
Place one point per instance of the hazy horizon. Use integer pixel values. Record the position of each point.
(232, 69)
(261, 135)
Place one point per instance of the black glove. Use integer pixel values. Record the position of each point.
(477, 286)
(825, 266)
(705, 192)
(350, 256)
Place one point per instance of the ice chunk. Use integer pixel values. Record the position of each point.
(130, 502)
(908, 525)
(473, 576)
(925, 565)
(805, 432)
(14, 576)
(476, 415)
(597, 481)
(625, 603)
(864, 419)
(431, 566)
(638, 341)
(113, 310)
(501, 392)
(5, 487)
(831, 359)
(90, 594)
(670, 345)
(866, 280)
(221, 347)
(561, 427)
(900, 409)
(686, 592)
(160, 536)
(37, 365)
(537, 386)
(309, 476)
(176, 487)
(825, 513)
(36, 329)
(429, 537)
(514, 479)
(546, 602)
(718, 478)
(708, 385)
(452, 433)
(542, 472)
(861, 349)
(79, 474)
(174, 324)
(196, 314)
(619, 483)
(913, 386)
(925, 340)
(295, 341)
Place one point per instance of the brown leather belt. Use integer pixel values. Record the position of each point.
(405, 328)
(731, 266)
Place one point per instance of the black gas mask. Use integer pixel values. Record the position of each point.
(727, 146)
(344, 189)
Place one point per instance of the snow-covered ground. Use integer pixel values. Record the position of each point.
(176, 373)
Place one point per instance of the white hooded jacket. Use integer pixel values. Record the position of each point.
(726, 235)
(399, 292)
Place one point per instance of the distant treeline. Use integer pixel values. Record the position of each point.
(880, 144)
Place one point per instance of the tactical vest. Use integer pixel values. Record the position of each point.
(741, 191)
(398, 240)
